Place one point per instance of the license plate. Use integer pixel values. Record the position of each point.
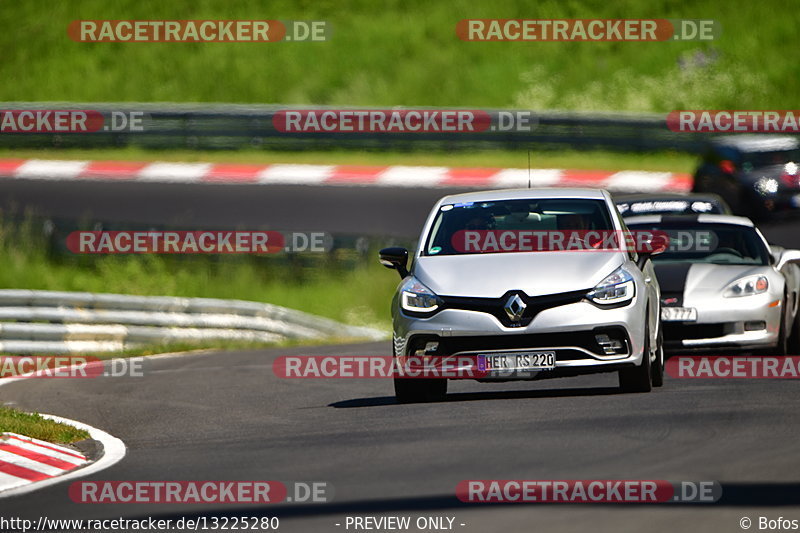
(519, 361)
(678, 314)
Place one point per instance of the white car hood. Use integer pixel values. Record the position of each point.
(535, 273)
(704, 278)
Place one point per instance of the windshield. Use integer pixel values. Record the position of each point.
(763, 159)
(517, 215)
(719, 244)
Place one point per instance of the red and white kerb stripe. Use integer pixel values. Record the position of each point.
(24, 460)
(372, 176)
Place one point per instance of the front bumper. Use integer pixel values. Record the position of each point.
(461, 336)
(730, 323)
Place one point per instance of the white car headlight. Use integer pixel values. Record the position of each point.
(417, 298)
(746, 287)
(618, 287)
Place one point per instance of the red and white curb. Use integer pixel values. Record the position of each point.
(24, 460)
(373, 176)
(42, 464)
(28, 464)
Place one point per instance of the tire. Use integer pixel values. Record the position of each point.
(658, 369)
(638, 378)
(782, 348)
(419, 390)
(794, 336)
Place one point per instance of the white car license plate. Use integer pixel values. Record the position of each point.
(520, 361)
(678, 314)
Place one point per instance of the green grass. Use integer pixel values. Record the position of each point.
(342, 285)
(405, 52)
(592, 160)
(34, 426)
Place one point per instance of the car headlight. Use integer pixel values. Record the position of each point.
(616, 288)
(417, 298)
(746, 287)
(766, 185)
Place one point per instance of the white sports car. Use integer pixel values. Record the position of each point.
(723, 287)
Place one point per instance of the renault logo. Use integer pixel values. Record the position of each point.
(515, 307)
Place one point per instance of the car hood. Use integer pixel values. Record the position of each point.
(535, 273)
(693, 278)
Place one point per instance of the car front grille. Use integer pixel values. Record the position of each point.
(495, 306)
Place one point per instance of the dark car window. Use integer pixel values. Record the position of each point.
(764, 159)
(722, 244)
(535, 215)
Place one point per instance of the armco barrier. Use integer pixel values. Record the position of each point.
(66, 322)
(230, 126)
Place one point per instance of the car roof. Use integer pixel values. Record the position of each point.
(525, 194)
(757, 142)
(700, 219)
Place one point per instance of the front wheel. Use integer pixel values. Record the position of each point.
(794, 337)
(418, 390)
(658, 369)
(782, 347)
(638, 378)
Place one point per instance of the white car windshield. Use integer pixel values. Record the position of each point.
(552, 214)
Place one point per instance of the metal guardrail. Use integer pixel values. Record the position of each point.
(230, 126)
(68, 322)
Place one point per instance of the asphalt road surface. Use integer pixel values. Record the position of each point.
(226, 416)
(372, 211)
(343, 210)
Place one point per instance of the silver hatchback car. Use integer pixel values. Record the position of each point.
(487, 298)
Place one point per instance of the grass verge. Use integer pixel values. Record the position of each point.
(343, 285)
(407, 53)
(35, 426)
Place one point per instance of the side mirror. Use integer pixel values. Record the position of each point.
(645, 256)
(651, 246)
(396, 258)
(788, 256)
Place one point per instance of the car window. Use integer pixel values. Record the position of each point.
(534, 215)
(763, 159)
(723, 244)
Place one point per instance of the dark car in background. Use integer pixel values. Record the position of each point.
(633, 205)
(757, 175)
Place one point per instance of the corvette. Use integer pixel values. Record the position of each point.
(735, 293)
(521, 314)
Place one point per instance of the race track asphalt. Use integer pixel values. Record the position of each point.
(226, 416)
